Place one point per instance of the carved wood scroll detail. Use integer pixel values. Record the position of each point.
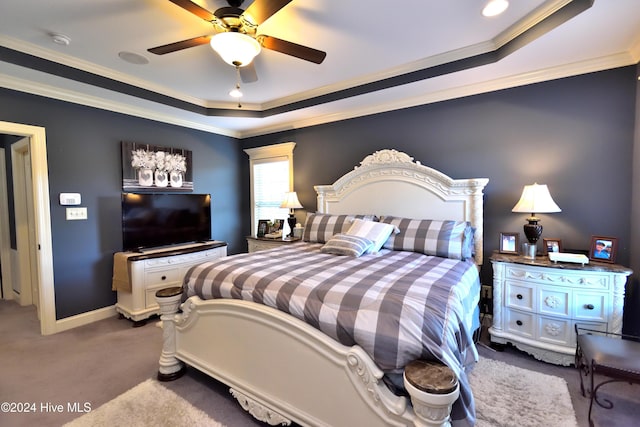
(259, 411)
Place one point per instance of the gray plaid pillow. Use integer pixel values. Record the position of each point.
(319, 228)
(443, 238)
(346, 244)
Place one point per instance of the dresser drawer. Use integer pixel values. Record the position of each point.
(590, 306)
(520, 323)
(520, 296)
(555, 330)
(162, 276)
(554, 300)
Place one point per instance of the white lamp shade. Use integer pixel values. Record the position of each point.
(235, 48)
(536, 199)
(291, 201)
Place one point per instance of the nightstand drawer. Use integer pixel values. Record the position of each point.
(555, 330)
(520, 323)
(590, 306)
(554, 301)
(520, 296)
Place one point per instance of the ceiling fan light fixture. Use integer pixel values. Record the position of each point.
(495, 7)
(236, 92)
(235, 48)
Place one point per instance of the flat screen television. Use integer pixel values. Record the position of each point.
(152, 220)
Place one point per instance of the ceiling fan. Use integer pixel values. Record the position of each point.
(236, 38)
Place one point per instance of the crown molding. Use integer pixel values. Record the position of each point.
(53, 92)
(593, 65)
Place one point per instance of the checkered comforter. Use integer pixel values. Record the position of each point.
(398, 306)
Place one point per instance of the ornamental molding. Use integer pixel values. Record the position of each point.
(600, 282)
(259, 411)
(389, 163)
(387, 156)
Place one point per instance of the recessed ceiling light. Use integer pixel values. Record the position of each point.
(133, 58)
(60, 39)
(495, 7)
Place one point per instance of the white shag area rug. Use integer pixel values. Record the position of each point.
(507, 396)
(147, 404)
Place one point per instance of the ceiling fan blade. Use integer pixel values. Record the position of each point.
(248, 73)
(195, 9)
(184, 44)
(261, 10)
(293, 49)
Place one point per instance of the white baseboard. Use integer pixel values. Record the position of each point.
(84, 318)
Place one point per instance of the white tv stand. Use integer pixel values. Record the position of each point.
(155, 269)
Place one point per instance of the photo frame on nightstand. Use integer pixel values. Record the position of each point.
(552, 245)
(509, 243)
(603, 249)
(263, 227)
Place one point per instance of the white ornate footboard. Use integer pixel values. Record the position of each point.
(282, 370)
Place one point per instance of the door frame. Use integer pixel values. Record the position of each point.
(42, 223)
(5, 240)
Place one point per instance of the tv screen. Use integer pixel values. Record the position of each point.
(152, 220)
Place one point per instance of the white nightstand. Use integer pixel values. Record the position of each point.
(260, 244)
(537, 303)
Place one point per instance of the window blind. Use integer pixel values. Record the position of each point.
(270, 182)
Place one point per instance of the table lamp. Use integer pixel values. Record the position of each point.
(535, 199)
(291, 202)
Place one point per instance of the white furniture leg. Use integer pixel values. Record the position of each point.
(169, 301)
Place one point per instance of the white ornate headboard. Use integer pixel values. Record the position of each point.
(389, 182)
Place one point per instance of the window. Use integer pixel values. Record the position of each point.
(271, 169)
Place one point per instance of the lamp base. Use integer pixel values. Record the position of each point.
(533, 230)
(292, 223)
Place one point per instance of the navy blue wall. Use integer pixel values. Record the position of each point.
(575, 135)
(84, 156)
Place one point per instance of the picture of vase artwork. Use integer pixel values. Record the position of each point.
(153, 168)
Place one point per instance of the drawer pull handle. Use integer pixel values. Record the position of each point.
(164, 277)
(519, 296)
(589, 306)
(519, 322)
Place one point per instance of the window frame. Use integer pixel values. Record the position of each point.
(265, 154)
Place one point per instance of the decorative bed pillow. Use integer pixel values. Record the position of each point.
(443, 238)
(377, 232)
(319, 228)
(345, 244)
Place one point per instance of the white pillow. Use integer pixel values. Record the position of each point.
(377, 232)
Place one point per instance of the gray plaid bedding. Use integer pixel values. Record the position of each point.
(398, 306)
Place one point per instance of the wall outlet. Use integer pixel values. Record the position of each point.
(486, 299)
(76, 213)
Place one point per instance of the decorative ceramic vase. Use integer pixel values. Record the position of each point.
(175, 179)
(162, 180)
(145, 177)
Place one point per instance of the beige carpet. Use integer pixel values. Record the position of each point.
(147, 404)
(505, 396)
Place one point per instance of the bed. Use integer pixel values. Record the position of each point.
(279, 327)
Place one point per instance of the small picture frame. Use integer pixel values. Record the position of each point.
(277, 225)
(263, 227)
(509, 243)
(552, 245)
(603, 249)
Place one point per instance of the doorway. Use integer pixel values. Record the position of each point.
(29, 160)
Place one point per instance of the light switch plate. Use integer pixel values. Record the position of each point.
(76, 213)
